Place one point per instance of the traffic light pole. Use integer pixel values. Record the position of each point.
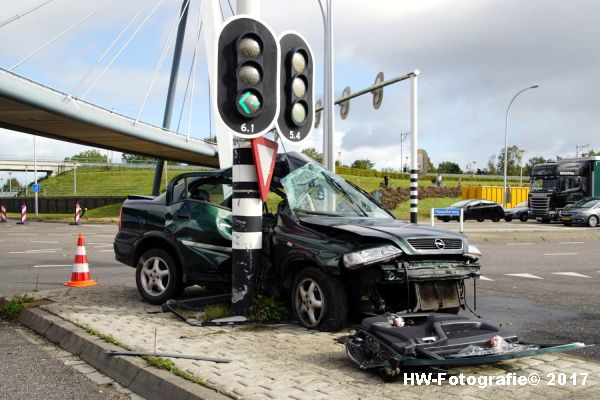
(414, 183)
(329, 100)
(246, 242)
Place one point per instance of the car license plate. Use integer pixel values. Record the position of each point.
(565, 218)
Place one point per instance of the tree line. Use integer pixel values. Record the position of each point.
(495, 164)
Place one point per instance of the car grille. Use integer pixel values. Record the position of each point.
(429, 244)
(540, 205)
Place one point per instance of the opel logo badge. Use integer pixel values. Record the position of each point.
(439, 243)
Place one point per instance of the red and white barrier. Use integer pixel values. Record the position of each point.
(77, 214)
(80, 275)
(23, 214)
(3, 213)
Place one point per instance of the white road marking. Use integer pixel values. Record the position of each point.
(52, 265)
(42, 241)
(572, 274)
(21, 234)
(32, 251)
(530, 276)
(485, 278)
(112, 236)
(560, 254)
(571, 242)
(102, 251)
(100, 244)
(519, 244)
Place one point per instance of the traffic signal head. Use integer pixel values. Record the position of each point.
(247, 77)
(297, 108)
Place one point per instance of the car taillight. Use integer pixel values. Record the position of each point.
(120, 218)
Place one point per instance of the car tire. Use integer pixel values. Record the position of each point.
(592, 221)
(446, 219)
(319, 300)
(523, 217)
(480, 219)
(495, 219)
(508, 219)
(157, 277)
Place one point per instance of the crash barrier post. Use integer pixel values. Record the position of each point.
(2, 213)
(80, 275)
(448, 212)
(77, 216)
(23, 214)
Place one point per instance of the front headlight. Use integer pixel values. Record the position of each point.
(473, 253)
(370, 256)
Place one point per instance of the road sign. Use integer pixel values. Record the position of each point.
(446, 212)
(265, 152)
(36, 188)
(247, 82)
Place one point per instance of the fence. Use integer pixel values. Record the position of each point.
(60, 205)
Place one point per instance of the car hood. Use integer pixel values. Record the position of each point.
(395, 231)
(573, 210)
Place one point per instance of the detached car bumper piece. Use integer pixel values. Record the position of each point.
(389, 343)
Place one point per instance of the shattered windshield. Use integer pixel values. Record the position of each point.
(315, 190)
(543, 185)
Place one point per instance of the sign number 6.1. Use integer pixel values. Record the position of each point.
(249, 128)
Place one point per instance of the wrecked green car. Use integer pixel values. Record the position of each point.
(328, 246)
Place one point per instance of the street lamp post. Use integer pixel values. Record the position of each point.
(505, 141)
(403, 136)
(10, 183)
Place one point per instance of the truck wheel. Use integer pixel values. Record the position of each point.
(524, 217)
(508, 219)
(480, 219)
(319, 300)
(157, 277)
(592, 221)
(495, 219)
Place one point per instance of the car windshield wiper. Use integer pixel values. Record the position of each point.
(340, 189)
(298, 210)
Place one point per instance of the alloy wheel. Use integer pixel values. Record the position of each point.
(155, 276)
(309, 302)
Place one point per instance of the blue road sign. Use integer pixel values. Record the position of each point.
(36, 187)
(446, 212)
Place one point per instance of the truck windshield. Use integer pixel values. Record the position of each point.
(543, 185)
(312, 189)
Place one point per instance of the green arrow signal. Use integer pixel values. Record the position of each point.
(249, 102)
(242, 102)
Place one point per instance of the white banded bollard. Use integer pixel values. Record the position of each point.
(23, 214)
(2, 213)
(77, 216)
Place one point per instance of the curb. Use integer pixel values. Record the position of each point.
(131, 372)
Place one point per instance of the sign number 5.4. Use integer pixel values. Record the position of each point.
(294, 135)
(249, 128)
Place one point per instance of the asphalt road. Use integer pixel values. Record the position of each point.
(40, 256)
(545, 291)
(28, 371)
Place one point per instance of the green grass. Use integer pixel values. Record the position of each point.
(216, 311)
(14, 306)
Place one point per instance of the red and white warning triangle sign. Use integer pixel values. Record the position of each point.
(265, 153)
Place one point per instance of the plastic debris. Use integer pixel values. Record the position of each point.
(395, 320)
(497, 345)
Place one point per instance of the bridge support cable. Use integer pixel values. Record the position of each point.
(69, 29)
(172, 86)
(178, 22)
(108, 49)
(131, 37)
(22, 14)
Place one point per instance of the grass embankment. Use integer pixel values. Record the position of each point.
(117, 181)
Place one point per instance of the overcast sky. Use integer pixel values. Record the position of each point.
(474, 55)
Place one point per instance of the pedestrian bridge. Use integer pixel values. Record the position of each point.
(49, 167)
(29, 107)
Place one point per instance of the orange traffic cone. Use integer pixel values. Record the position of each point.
(81, 274)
